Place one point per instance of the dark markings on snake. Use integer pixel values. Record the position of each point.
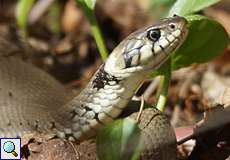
(103, 78)
(158, 114)
(28, 123)
(84, 114)
(10, 94)
(153, 52)
(98, 120)
(36, 124)
(87, 108)
(72, 114)
(161, 47)
(82, 106)
(128, 57)
(128, 60)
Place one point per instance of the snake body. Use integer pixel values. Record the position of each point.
(31, 100)
(157, 136)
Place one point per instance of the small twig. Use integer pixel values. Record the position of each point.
(141, 109)
(75, 150)
(38, 10)
(185, 139)
(175, 115)
(151, 88)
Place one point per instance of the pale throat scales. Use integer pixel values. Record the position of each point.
(102, 100)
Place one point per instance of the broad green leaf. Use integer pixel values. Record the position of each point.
(119, 140)
(185, 7)
(160, 8)
(161, 71)
(90, 4)
(23, 8)
(205, 41)
(162, 2)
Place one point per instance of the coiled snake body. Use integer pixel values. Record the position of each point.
(31, 100)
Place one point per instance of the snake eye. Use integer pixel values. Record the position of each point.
(172, 26)
(154, 34)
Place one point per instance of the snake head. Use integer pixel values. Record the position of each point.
(147, 48)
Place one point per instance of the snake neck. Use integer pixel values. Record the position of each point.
(102, 100)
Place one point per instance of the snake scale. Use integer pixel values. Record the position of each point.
(31, 100)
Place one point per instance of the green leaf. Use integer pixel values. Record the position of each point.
(162, 2)
(119, 140)
(90, 4)
(206, 40)
(161, 71)
(160, 8)
(184, 7)
(23, 8)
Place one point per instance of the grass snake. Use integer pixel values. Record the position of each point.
(31, 100)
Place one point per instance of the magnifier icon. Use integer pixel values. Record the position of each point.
(9, 147)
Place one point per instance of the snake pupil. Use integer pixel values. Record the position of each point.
(172, 26)
(154, 34)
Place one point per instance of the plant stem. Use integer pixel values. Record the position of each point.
(23, 9)
(95, 29)
(162, 92)
(99, 40)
